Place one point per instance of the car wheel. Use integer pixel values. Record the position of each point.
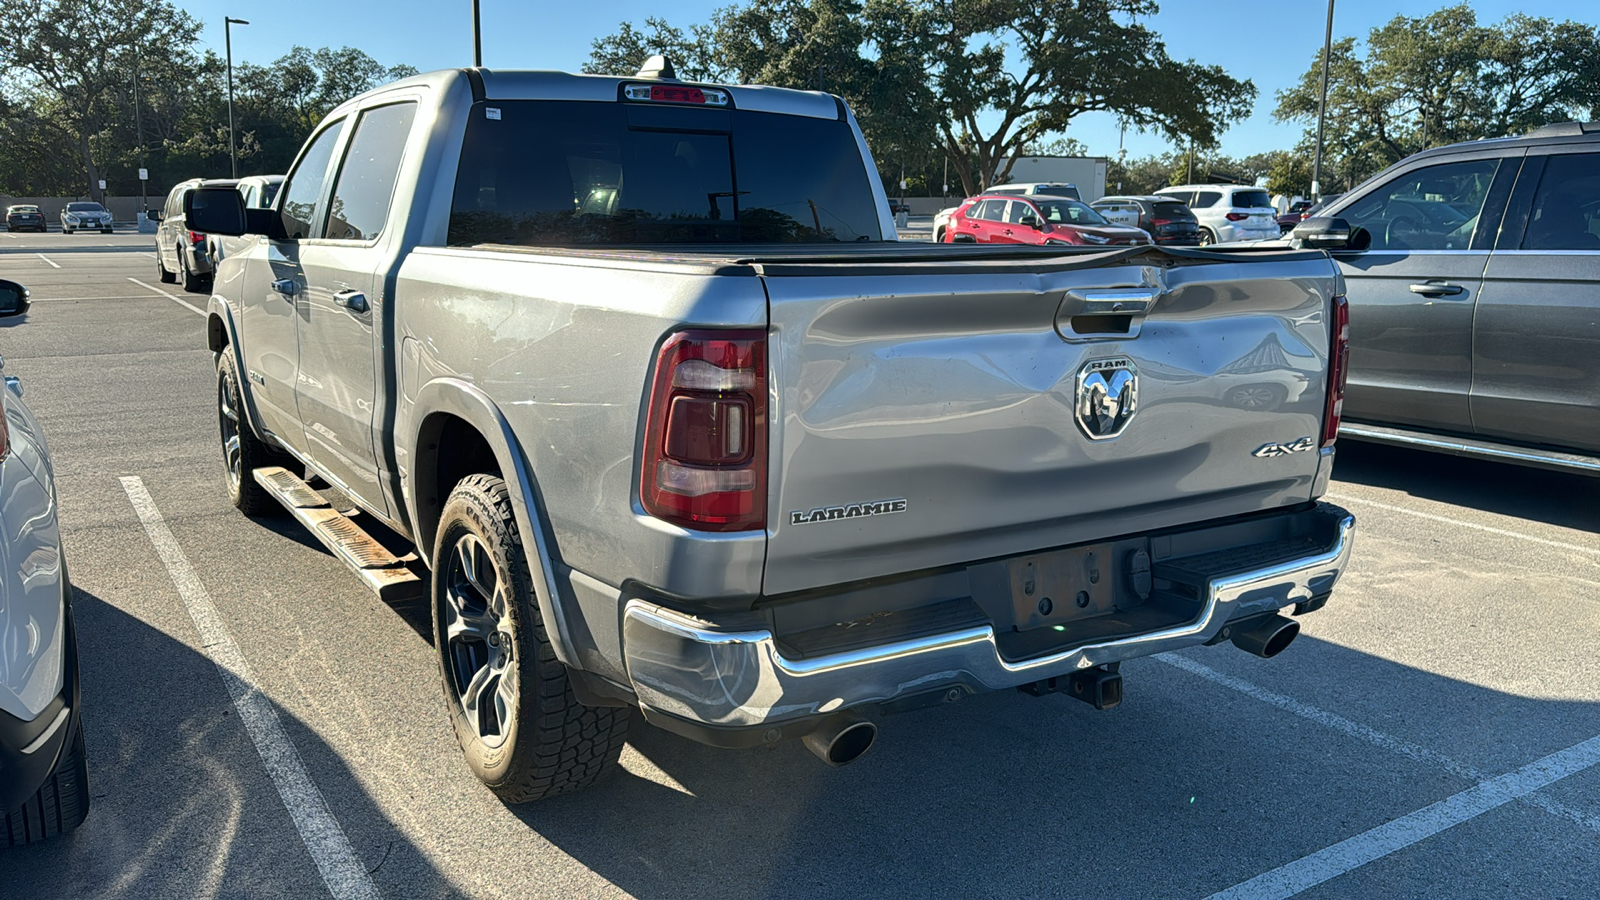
(58, 807)
(161, 270)
(524, 733)
(938, 236)
(242, 451)
(192, 283)
(1207, 236)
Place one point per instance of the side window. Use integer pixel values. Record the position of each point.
(303, 190)
(1184, 197)
(365, 186)
(1017, 211)
(1434, 208)
(1566, 208)
(1205, 199)
(985, 209)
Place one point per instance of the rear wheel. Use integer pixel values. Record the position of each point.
(523, 732)
(1207, 236)
(242, 451)
(59, 806)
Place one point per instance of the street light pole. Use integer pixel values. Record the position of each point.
(227, 39)
(1322, 107)
(138, 126)
(477, 38)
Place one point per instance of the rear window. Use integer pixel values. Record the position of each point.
(1172, 211)
(1058, 190)
(1251, 199)
(555, 173)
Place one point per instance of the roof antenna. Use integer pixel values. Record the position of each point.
(657, 66)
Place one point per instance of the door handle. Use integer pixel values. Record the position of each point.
(1430, 288)
(284, 286)
(355, 301)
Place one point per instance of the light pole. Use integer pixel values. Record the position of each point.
(227, 39)
(477, 39)
(1122, 156)
(1322, 108)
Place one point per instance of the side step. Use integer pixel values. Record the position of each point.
(1476, 448)
(386, 574)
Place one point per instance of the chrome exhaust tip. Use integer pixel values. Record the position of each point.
(1269, 638)
(842, 739)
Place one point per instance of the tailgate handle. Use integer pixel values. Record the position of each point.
(1101, 314)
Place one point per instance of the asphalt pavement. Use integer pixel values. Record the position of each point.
(1434, 732)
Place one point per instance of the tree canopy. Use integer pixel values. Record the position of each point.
(1425, 81)
(70, 69)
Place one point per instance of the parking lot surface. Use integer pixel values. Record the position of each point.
(260, 725)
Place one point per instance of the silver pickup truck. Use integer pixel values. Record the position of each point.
(630, 379)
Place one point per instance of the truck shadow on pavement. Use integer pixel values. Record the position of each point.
(181, 803)
(1188, 788)
(1569, 500)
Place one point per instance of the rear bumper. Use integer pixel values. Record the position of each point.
(29, 750)
(713, 682)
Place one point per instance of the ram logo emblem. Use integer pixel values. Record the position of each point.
(1107, 397)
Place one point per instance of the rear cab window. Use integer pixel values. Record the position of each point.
(565, 173)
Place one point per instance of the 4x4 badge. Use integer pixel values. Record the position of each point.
(1266, 451)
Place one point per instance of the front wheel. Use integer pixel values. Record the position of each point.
(161, 271)
(59, 806)
(192, 283)
(242, 451)
(524, 733)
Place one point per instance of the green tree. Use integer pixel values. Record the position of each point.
(1441, 78)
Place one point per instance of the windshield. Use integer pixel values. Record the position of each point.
(1251, 199)
(552, 173)
(1176, 211)
(85, 207)
(1068, 212)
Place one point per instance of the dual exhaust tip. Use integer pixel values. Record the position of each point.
(847, 737)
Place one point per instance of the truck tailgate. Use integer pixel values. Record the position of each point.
(931, 413)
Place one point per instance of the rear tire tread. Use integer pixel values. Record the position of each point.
(59, 806)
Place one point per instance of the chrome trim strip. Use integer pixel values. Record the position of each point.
(1518, 455)
(695, 670)
(55, 726)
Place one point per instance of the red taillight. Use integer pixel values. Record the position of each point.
(196, 237)
(677, 94)
(705, 442)
(1238, 217)
(1338, 370)
(1159, 222)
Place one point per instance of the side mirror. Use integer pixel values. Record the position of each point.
(215, 210)
(13, 298)
(1030, 220)
(1322, 233)
(153, 215)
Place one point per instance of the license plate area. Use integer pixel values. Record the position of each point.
(1060, 587)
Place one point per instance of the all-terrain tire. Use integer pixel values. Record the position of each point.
(550, 743)
(242, 451)
(59, 806)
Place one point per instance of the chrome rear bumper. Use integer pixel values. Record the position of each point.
(732, 679)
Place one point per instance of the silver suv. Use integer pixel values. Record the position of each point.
(182, 254)
(1471, 273)
(1229, 212)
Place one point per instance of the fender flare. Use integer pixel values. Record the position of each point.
(218, 311)
(468, 402)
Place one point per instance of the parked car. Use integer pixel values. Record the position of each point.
(24, 217)
(1471, 273)
(1165, 219)
(1030, 188)
(1039, 219)
(1228, 212)
(44, 779)
(1294, 215)
(83, 214)
(756, 469)
(181, 254)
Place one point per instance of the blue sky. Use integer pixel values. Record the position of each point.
(1270, 42)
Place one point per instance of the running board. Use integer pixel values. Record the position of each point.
(386, 574)
(1476, 448)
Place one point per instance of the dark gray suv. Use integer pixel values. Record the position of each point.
(1474, 312)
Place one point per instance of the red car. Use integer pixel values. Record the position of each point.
(989, 219)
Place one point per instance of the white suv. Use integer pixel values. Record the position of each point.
(1229, 212)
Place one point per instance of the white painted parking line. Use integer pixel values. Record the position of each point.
(1370, 735)
(173, 297)
(1505, 532)
(48, 260)
(1374, 844)
(342, 870)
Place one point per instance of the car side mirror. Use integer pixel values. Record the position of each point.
(1030, 220)
(153, 215)
(1323, 233)
(13, 298)
(215, 210)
